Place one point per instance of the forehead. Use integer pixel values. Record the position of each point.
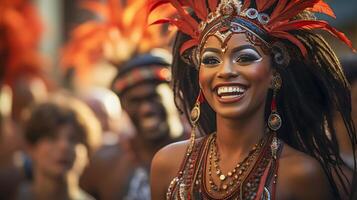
(236, 40)
(141, 90)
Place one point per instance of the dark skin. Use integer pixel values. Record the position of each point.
(240, 123)
(116, 163)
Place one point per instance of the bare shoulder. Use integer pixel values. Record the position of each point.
(300, 176)
(165, 166)
(170, 157)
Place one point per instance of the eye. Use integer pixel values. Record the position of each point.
(247, 58)
(210, 60)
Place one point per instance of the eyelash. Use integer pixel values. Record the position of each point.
(245, 59)
(240, 59)
(211, 61)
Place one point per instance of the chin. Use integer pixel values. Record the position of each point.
(156, 135)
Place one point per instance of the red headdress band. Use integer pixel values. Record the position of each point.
(277, 23)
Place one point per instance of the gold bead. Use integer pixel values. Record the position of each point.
(224, 186)
(222, 177)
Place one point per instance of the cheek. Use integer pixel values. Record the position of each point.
(205, 77)
(260, 73)
(42, 153)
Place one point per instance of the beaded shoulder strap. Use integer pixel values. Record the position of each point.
(183, 181)
(267, 186)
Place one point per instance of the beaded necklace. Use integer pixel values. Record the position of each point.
(257, 182)
(234, 177)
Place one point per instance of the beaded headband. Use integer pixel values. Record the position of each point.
(268, 21)
(154, 73)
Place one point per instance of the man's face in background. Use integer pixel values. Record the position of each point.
(144, 104)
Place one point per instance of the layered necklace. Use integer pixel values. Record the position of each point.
(233, 178)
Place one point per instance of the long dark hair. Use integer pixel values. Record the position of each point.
(314, 88)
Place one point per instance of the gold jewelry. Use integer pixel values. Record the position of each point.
(233, 178)
(274, 120)
(194, 117)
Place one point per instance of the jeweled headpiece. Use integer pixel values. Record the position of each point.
(263, 21)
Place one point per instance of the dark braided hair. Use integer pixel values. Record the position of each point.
(313, 89)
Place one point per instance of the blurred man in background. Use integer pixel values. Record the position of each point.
(122, 172)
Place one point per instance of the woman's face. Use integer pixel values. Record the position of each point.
(235, 81)
(55, 156)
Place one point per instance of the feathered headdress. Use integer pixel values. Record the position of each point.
(273, 19)
(119, 33)
(20, 32)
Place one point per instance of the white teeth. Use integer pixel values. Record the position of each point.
(230, 96)
(228, 90)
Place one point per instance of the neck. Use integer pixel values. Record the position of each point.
(50, 187)
(238, 136)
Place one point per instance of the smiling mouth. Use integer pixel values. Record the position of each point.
(150, 122)
(230, 91)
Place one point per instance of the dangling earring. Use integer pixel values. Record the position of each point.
(274, 121)
(194, 117)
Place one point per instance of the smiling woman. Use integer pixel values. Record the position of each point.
(266, 90)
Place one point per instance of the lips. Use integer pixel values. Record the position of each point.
(230, 92)
(150, 122)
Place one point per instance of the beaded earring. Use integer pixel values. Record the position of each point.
(274, 120)
(194, 117)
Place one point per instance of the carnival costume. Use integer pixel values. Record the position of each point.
(20, 34)
(118, 34)
(265, 23)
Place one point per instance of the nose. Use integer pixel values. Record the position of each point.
(64, 144)
(226, 71)
(145, 107)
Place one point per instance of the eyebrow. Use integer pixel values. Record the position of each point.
(243, 47)
(215, 50)
(236, 49)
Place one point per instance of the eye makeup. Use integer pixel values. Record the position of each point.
(210, 58)
(246, 56)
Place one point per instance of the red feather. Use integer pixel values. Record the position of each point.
(212, 4)
(279, 7)
(292, 9)
(115, 12)
(188, 44)
(315, 24)
(181, 25)
(291, 38)
(264, 4)
(188, 19)
(246, 4)
(154, 4)
(324, 8)
(202, 8)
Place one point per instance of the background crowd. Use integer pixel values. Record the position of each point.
(85, 97)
